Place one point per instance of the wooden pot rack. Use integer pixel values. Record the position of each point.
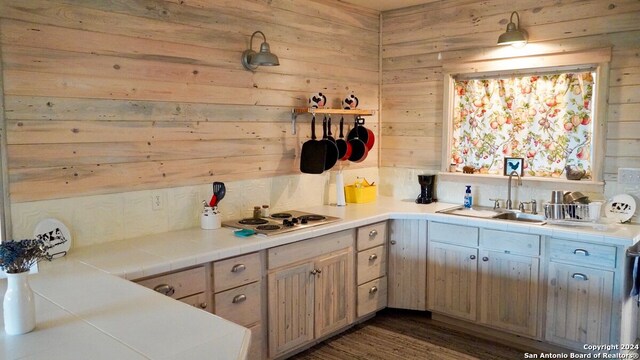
(298, 111)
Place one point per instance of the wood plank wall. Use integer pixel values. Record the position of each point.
(417, 41)
(119, 95)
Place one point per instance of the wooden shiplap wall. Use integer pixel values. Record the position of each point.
(418, 41)
(119, 95)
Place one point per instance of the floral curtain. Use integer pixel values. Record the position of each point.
(545, 119)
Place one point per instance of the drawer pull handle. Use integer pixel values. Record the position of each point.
(580, 276)
(373, 290)
(203, 305)
(238, 268)
(372, 257)
(239, 298)
(484, 258)
(472, 257)
(373, 233)
(582, 251)
(165, 289)
(393, 242)
(316, 271)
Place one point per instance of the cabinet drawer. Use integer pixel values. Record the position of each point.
(241, 305)
(236, 271)
(201, 301)
(179, 284)
(371, 235)
(309, 249)
(371, 264)
(582, 253)
(372, 296)
(510, 243)
(453, 234)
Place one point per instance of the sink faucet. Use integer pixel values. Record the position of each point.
(508, 204)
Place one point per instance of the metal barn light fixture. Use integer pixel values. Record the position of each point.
(514, 35)
(251, 59)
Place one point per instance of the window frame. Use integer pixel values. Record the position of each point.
(597, 59)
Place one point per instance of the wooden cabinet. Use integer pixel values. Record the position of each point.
(485, 276)
(190, 286)
(407, 264)
(580, 294)
(239, 295)
(509, 292)
(311, 290)
(453, 273)
(371, 261)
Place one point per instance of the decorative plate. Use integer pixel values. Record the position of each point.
(621, 207)
(47, 228)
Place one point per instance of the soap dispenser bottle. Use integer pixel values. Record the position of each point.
(468, 199)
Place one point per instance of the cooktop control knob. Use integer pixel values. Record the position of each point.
(304, 221)
(294, 220)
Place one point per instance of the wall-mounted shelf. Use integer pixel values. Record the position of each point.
(298, 111)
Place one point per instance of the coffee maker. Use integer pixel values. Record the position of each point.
(427, 182)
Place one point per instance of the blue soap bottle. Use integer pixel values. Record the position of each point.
(468, 199)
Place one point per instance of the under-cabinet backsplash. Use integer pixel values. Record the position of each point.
(103, 218)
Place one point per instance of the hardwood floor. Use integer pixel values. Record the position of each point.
(402, 334)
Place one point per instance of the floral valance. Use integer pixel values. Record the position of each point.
(545, 119)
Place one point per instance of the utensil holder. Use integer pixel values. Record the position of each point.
(210, 220)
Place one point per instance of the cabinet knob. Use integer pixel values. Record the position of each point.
(373, 233)
(203, 305)
(238, 268)
(484, 258)
(472, 257)
(581, 251)
(373, 290)
(580, 276)
(372, 257)
(239, 298)
(393, 242)
(314, 271)
(165, 289)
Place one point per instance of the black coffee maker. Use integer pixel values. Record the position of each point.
(427, 182)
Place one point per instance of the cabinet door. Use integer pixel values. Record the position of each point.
(407, 264)
(291, 296)
(509, 292)
(334, 288)
(452, 280)
(578, 305)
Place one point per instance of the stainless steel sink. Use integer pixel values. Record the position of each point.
(495, 214)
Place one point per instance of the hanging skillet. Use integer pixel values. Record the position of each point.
(359, 131)
(359, 149)
(331, 156)
(344, 148)
(313, 153)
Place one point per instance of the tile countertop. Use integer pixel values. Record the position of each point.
(83, 313)
(154, 254)
(83, 309)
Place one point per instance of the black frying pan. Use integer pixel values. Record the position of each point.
(331, 156)
(359, 149)
(313, 153)
(359, 131)
(344, 148)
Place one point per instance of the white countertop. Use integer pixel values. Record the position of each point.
(83, 309)
(154, 254)
(85, 313)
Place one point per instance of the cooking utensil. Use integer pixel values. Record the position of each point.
(313, 153)
(358, 130)
(219, 190)
(572, 197)
(213, 201)
(331, 156)
(344, 148)
(329, 135)
(359, 149)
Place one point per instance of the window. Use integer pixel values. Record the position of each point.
(546, 119)
(546, 109)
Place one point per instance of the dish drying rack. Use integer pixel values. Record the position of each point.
(575, 214)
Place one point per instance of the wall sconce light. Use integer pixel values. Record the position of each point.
(514, 35)
(251, 59)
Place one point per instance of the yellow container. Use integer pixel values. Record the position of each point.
(360, 194)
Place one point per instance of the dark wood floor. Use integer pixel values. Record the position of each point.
(401, 334)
